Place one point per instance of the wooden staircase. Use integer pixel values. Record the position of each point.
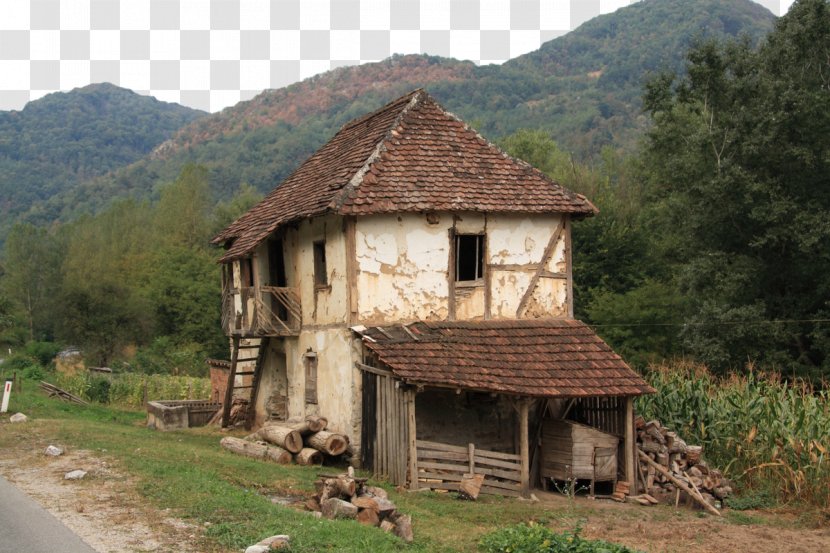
(258, 352)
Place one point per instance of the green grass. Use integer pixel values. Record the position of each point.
(188, 472)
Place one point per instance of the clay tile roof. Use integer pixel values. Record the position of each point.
(539, 358)
(410, 155)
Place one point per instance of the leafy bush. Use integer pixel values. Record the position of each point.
(18, 362)
(535, 538)
(761, 499)
(43, 352)
(164, 356)
(98, 388)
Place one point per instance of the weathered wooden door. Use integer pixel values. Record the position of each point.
(385, 427)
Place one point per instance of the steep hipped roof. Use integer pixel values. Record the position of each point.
(538, 358)
(410, 155)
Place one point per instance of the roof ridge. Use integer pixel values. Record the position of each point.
(417, 96)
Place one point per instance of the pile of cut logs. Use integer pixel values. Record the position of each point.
(669, 466)
(344, 496)
(304, 442)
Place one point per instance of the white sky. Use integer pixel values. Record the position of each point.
(245, 46)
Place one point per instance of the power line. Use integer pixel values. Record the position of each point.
(712, 323)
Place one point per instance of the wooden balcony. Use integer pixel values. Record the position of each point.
(264, 311)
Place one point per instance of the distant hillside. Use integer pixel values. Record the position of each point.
(65, 138)
(583, 88)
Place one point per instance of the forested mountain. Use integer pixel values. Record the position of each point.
(62, 139)
(582, 88)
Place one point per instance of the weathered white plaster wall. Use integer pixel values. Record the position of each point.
(320, 305)
(337, 385)
(402, 267)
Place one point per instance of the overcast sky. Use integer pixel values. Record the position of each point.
(210, 54)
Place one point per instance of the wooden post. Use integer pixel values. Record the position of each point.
(523, 446)
(630, 446)
(471, 454)
(412, 437)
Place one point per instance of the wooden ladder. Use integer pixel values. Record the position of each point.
(256, 373)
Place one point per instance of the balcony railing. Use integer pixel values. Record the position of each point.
(263, 311)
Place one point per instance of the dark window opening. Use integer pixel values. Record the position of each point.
(276, 264)
(321, 277)
(469, 257)
(246, 270)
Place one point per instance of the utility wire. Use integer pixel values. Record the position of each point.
(713, 323)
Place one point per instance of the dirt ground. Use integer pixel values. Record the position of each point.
(108, 513)
(104, 508)
(661, 529)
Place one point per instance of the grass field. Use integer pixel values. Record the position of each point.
(189, 474)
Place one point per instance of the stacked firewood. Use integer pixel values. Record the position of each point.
(344, 496)
(305, 442)
(669, 466)
(237, 416)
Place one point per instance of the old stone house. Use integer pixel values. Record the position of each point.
(413, 283)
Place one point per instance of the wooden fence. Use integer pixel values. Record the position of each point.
(442, 466)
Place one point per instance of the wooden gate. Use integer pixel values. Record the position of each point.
(385, 426)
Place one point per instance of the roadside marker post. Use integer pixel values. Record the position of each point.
(7, 391)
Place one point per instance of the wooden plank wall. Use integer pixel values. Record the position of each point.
(604, 413)
(442, 466)
(392, 431)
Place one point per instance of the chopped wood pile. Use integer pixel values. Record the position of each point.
(305, 442)
(238, 415)
(669, 468)
(344, 496)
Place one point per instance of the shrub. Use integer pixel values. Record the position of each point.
(164, 356)
(18, 362)
(43, 352)
(98, 388)
(535, 538)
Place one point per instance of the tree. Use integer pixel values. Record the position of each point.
(182, 214)
(617, 284)
(32, 276)
(740, 164)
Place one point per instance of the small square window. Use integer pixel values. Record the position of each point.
(469, 257)
(320, 273)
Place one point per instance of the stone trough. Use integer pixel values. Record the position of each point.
(174, 415)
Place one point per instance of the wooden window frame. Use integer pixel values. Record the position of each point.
(321, 276)
(480, 251)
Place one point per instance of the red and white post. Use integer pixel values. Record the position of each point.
(7, 392)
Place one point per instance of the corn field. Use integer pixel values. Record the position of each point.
(129, 388)
(762, 432)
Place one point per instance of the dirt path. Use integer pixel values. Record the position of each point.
(661, 529)
(104, 508)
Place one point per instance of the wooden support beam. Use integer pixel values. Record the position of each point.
(412, 439)
(679, 483)
(569, 265)
(534, 280)
(630, 445)
(226, 406)
(524, 447)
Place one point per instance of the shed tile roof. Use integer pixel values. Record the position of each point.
(539, 358)
(410, 155)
